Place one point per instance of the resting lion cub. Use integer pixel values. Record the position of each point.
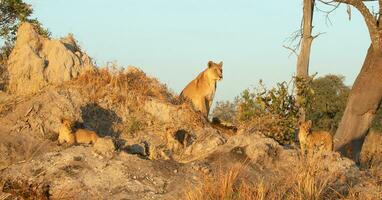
(201, 90)
(312, 141)
(80, 136)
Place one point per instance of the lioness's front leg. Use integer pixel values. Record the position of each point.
(207, 103)
(203, 107)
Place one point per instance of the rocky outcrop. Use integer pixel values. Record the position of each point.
(151, 145)
(36, 61)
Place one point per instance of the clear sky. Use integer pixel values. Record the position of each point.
(173, 40)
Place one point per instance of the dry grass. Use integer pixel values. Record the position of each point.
(307, 182)
(22, 189)
(309, 185)
(121, 87)
(223, 186)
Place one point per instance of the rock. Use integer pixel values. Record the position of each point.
(261, 151)
(139, 149)
(202, 147)
(104, 146)
(36, 61)
(174, 114)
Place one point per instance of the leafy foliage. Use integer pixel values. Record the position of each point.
(273, 111)
(328, 103)
(304, 91)
(12, 12)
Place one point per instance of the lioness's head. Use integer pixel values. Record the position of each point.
(215, 71)
(67, 123)
(305, 127)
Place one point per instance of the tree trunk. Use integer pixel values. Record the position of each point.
(363, 102)
(302, 71)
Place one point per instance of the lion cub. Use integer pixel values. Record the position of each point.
(317, 140)
(80, 136)
(201, 90)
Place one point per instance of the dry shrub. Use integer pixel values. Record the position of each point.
(20, 188)
(121, 87)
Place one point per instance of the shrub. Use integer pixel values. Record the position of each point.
(328, 103)
(120, 86)
(12, 13)
(225, 111)
(272, 112)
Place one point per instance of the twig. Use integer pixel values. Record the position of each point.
(42, 131)
(314, 37)
(29, 111)
(293, 51)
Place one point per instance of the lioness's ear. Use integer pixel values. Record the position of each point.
(210, 63)
(310, 123)
(221, 64)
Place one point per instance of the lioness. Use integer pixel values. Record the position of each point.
(80, 136)
(65, 132)
(202, 89)
(312, 141)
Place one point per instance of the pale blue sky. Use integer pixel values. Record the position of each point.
(173, 40)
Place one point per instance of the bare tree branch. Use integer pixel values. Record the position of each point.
(314, 37)
(371, 22)
(293, 51)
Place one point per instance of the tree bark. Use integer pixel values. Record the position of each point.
(366, 93)
(363, 102)
(302, 71)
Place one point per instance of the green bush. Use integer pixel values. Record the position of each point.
(273, 112)
(328, 103)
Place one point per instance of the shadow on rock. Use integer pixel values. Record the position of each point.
(100, 119)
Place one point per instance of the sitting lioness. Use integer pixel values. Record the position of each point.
(80, 136)
(202, 89)
(313, 141)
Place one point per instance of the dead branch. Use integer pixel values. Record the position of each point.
(314, 37)
(293, 51)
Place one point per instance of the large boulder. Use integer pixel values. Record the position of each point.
(36, 61)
